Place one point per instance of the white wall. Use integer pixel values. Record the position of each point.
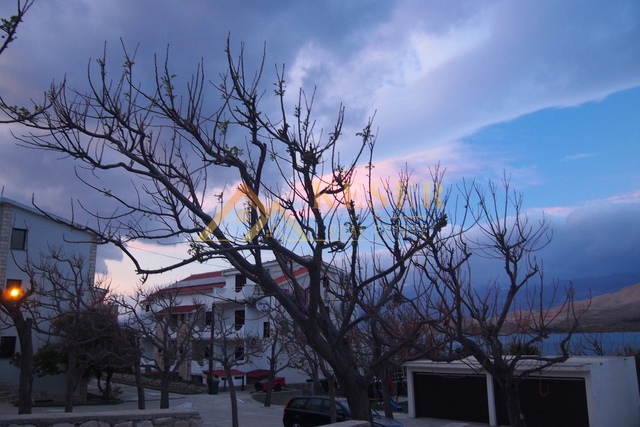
(228, 301)
(612, 393)
(611, 384)
(42, 234)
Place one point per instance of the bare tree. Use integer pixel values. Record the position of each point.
(9, 27)
(513, 303)
(59, 284)
(175, 152)
(8, 34)
(289, 342)
(158, 319)
(232, 349)
(277, 356)
(276, 342)
(15, 303)
(301, 356)
(594, 343)
(72, 310)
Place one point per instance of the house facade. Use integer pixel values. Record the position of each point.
(26, 235)
(243, 321)
(584, 391)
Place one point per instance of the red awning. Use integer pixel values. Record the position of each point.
(221, 373)
(180, 309)
(296, 273)
(257, 373)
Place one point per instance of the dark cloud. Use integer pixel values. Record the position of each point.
(107, 253)
(434, 70)
(523, 57)
(592, 241)
(595, 241)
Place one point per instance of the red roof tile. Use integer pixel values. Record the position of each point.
(180, 309)
(257, 373)
(221, 373)
(296, 273)
(203, 276)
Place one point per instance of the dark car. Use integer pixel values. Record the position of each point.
(309, 411)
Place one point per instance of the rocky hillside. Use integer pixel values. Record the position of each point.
(614, 312)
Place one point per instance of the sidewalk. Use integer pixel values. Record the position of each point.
(215, 410)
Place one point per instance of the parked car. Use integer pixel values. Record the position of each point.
(309, 411)
(278, 383)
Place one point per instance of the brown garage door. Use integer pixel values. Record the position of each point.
(460, 398)
(549, 402)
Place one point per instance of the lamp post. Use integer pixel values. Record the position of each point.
(12, 301)
(14, 292)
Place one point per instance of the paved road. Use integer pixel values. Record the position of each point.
(215, 409)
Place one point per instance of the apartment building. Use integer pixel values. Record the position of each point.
(231, 305)
(26, 235)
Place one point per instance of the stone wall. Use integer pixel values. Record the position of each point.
(277, 397)
(154, 383)
(6, 216)
(147, 418)
(351, 423)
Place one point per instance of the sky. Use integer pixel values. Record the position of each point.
(545, 92)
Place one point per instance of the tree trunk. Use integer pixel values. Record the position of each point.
(70, 385)
(512, 399)
(25, 388)
(317, 386)
(137, 369)
(165, 382)
(386, 398)
(270, 377)
(356, 392)
(232, 395)
(98, 373)
(106, 394)
(332, 399)
(331, 389)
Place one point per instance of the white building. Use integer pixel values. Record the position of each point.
(227, 296)
(25, 236)
(581, 392)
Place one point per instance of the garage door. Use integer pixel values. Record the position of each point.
(460, 398)
(549, 402)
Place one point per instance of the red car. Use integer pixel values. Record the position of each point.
(278, 383)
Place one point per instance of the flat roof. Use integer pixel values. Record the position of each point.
(575, 363)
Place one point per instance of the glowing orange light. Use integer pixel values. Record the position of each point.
(15, 292)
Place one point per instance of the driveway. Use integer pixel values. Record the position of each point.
(215, 410)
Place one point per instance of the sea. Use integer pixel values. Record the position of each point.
(593, 343)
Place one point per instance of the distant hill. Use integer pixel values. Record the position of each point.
(612, 312)
(586, 287)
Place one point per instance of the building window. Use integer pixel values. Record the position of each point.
(266, 330)
(239, 319)
(201, 351)
(208, 318)
(240, 282)
(7, 347)
(239, 353)
(13, 289)
(19, 239)
(14, 283)
(173, 321)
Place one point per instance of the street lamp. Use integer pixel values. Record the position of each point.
(14, 292)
